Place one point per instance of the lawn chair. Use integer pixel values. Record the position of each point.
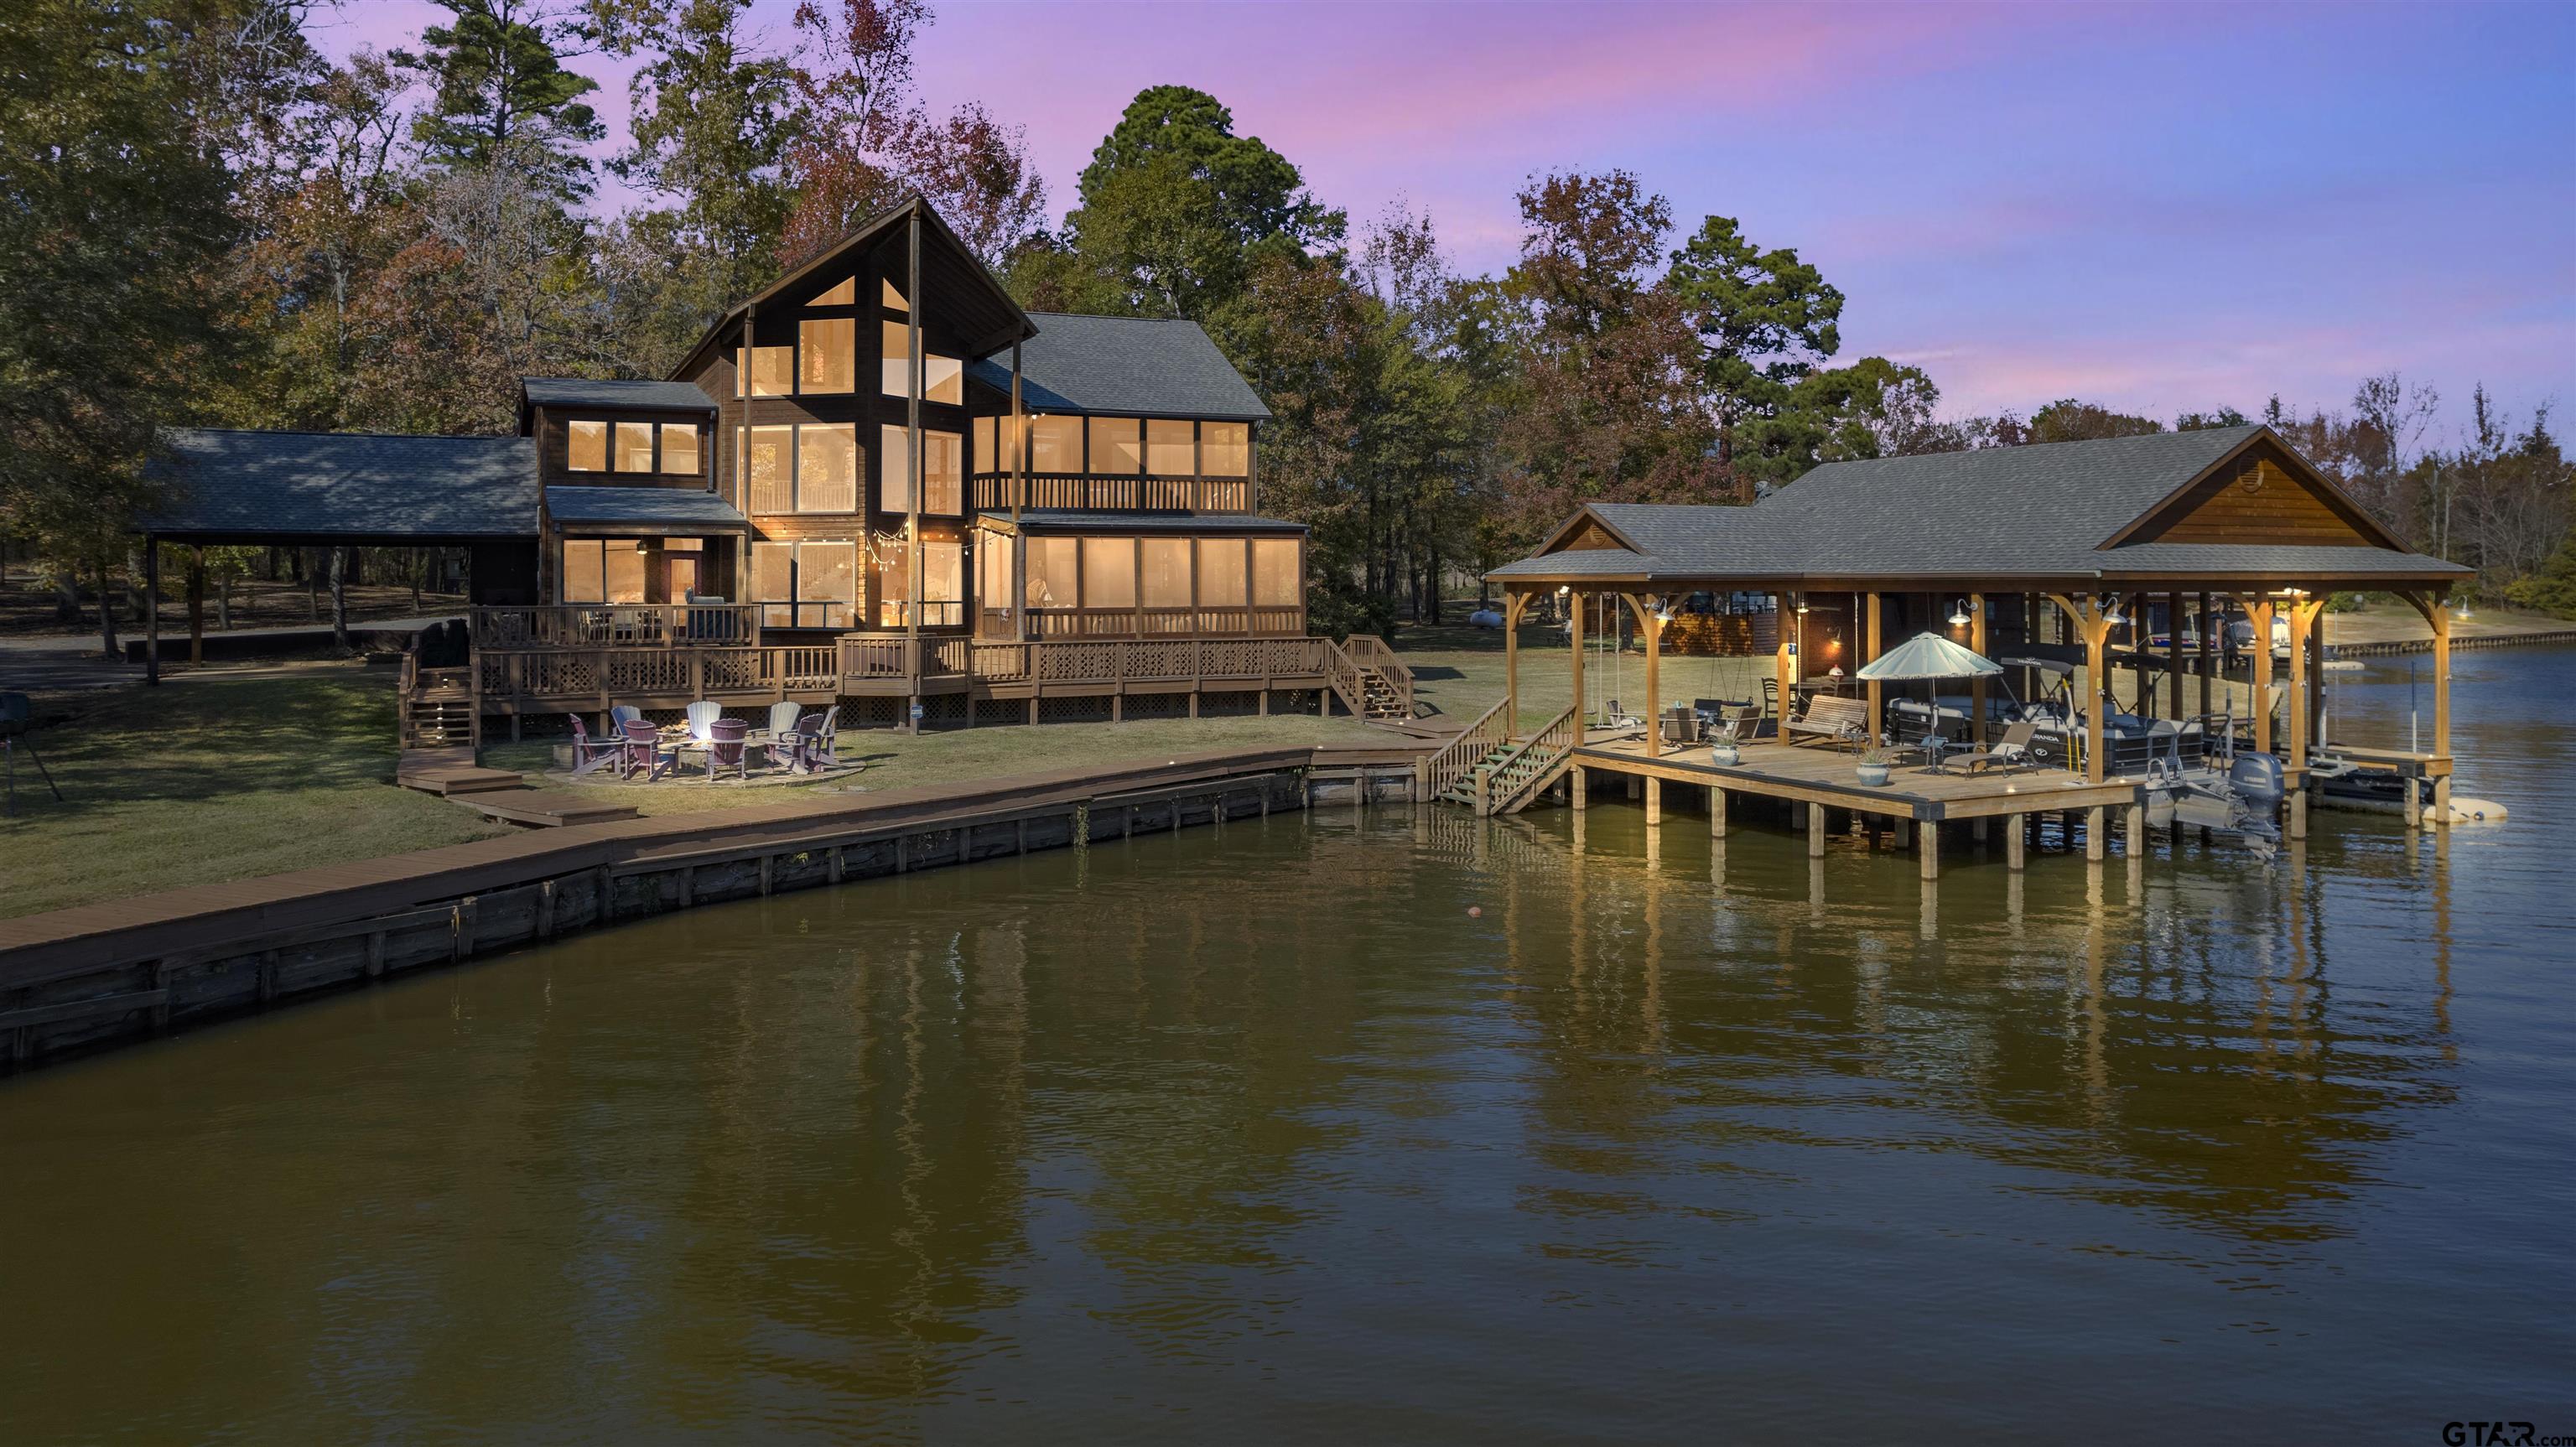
(1681, 724)
(644, 751)
(821, 734)
(726, 749)
(591, 755)
(702, 714)
(782, 719)
(2012, 750)
(621, 715)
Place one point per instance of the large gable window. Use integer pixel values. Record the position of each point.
(846, 294)
(826, 352)
(943, 471)
(1225, 449)
(943, 379)
(811, 584)
(771, 371)
(1170, 449)
(680, 448)
(811, 467)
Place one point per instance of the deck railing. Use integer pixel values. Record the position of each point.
(1454, 766)
(617, 625)
(1078, 492)
(587, 675)
(1263, 622)
(1084, 660)
(1517, 777)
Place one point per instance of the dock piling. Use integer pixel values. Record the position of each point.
(1815, 830)
(2094, 820)
(2016, 836)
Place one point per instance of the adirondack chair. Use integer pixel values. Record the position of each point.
(821, 735)
(591, 755)
(701, 715)
(726, 749)
(619, 716)
(644, 751)
(782, 719)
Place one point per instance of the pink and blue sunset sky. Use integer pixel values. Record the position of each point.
(2165, 208)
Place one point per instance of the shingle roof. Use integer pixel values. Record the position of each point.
(348, 484)
(1134, 366)
(646, 507)
(1045, 519)
(591, 392)
(2038, 510)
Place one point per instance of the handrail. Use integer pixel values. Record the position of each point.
(1518, 776)
(1373, 655)
(615, 625)
(1456, 760)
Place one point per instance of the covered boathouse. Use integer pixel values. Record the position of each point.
(2197, 562)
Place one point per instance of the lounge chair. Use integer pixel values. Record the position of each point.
(618, 717)
(2012, 750)
(644, 751)
(726, 749)
(1830, 717)
(701, 715)
(590, 755)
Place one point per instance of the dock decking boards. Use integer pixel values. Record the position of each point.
(545, 808)
(1817, 775)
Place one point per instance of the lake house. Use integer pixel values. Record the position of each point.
(879, 481)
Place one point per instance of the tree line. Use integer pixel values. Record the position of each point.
(209, 222)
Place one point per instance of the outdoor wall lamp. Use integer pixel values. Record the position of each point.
(1959, 614)
(1802, 605)
(2113, 617)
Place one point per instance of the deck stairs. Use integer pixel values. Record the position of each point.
(1371, 680)
(1490, 771)
(439, 709)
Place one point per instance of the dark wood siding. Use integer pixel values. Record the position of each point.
(2255, 500)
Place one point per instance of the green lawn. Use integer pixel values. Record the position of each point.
(210, 780)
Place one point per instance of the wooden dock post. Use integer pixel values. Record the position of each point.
(1716, 811)
(1928, 854)
(1903, 832)
(2016, 837)
(1578, 779)
(1654, 802)
(1815, 830)
(2093, 842)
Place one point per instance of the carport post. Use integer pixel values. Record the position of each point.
(151, 610)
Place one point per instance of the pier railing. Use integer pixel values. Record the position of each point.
(1518, 776)
(1452, 771)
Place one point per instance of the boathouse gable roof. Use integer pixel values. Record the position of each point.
(2209, 503)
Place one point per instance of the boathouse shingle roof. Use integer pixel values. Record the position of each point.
(1124, 366)
(646, 508)
(347, 485)
(2043, 510)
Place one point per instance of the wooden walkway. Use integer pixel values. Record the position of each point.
(544, 808)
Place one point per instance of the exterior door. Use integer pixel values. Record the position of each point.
(684, 578)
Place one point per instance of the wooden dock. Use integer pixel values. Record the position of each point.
(1917, 800)
(543, 808)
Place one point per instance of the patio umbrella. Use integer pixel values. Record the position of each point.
(1929, 655)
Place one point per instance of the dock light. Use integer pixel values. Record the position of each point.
(1959, 614)
(2464, 615)
(1564, 588)
(2113, 617)
(1802, 605)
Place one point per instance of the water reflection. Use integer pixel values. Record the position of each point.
(1184, 1124)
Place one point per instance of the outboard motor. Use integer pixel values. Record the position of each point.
(2258, 779)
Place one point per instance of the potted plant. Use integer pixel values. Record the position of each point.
(1721, 749)
(1871, 766)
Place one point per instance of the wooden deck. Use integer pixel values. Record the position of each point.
(544, 808)
(1819, 775)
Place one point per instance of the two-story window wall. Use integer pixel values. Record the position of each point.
(1120, 464)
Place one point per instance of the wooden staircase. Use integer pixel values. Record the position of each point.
(1487, 770)
(439, 708)
(1371, 680)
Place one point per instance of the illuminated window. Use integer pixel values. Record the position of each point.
(943, 378)
(1166, 576)
(892, 298)
(1225, 448)
(625, 571)
(772, 371)
(993, 582)
(680, 448)
(589, 446)
(773, 583)
(1108, 572)
(1117, 446)
(1055, 444)
(984, 428)
(1275, 580)
(1170, 449)
(827, 358)
(827, 467)
(772, 469)
(635, 447)
(585, 579)
(846, 294)
(1222, 579)
(805, 585)
(943, 579)
(943, 457)
(1054, 576)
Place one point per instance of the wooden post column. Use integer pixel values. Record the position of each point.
(2088, 622)
(1512, 604)
(1877, 690)
(2258, 612)
(1647, 624)
(1977, 686)
(151, 609)
(2441, 621)
(2173, 655)
(1574, 634)
(1785, 665)
(2207, 656)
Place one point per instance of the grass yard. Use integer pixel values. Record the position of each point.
(212, 780)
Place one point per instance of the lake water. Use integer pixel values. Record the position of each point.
(1266, 1134)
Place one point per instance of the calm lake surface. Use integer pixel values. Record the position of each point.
(1262, 1135)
